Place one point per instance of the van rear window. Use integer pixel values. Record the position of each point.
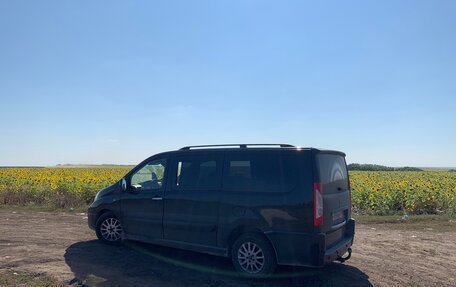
(331, 168)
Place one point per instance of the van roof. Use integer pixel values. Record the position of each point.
(222, 147)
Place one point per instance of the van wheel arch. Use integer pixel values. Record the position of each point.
(103, 211)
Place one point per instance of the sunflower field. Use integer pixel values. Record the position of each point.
(389, 192)
(373, 192)
(56, 187)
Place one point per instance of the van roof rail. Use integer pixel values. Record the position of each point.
(235, 145)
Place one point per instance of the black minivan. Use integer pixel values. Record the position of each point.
(260, 205)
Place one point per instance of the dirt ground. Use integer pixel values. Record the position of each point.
(61, 246)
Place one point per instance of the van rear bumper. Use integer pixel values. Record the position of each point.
(338, 250)
(309, 249)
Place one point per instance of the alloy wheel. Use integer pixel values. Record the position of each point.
(111, 229)
(250, 257)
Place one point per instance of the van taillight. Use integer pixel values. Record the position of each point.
(318, 204)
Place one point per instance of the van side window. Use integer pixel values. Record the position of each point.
(194, 173)
(240, 169)
(150, 176)
(258, 172)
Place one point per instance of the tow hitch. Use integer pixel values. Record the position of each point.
(343, 259)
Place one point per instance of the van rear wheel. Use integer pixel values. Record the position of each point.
(252, 255)
(109, 229)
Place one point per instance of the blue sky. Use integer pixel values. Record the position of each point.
(116, 81)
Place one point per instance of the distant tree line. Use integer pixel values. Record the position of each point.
(376, 167)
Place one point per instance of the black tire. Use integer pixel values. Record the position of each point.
(246, 255)
(109, 229)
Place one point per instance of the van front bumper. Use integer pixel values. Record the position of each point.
(309, 249)
(91, 219)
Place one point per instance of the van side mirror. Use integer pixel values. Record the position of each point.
(123, 185)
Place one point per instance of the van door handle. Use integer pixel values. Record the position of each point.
(157, 198)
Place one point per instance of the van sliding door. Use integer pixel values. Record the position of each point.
(191, 201)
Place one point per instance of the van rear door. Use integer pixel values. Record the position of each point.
(332, 178)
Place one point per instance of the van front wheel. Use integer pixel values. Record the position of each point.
(108, 228)
(252, 255)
